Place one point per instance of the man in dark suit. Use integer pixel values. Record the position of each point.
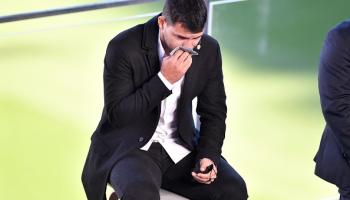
(333, 157)
(146, 138)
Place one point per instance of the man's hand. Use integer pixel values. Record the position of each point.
(208, 177)
(174, 67)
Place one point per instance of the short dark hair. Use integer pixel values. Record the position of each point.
(192, 13)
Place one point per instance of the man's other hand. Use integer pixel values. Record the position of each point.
(209, 177)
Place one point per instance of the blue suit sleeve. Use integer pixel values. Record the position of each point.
(334, 84)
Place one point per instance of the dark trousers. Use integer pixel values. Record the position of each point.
(141, 174)
(344, 193)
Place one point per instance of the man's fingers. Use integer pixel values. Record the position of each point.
(204, 176)
(177, 54)
(183, 66)
(188, 60)
(187, 63)
(201, 180)
(198, 179)
(207, 176)
(213, 175)
(183, 57)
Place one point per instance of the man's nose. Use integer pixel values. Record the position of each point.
(190, 43)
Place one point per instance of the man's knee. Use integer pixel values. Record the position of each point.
(344, 193)
(234, 190)
(141, 190)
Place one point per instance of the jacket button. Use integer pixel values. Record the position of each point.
(141, 139)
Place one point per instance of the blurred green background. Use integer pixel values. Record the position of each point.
(51, 94)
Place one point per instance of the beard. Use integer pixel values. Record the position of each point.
(166, 46)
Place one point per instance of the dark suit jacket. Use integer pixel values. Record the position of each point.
(133, 93)
(333, 156)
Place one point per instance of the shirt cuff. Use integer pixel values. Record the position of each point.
(166, 82)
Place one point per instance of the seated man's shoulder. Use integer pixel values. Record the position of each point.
(342, 29)
(344, 25)
(209, 41)
(127, 38)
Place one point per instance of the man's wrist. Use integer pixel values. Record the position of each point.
(169, 85)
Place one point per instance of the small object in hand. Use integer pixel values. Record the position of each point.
(190, 51)
(207, 170)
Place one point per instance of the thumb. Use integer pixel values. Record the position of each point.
(202, 166)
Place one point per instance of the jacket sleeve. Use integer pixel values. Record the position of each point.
(212, 110)
(334, 86)
(123, 102)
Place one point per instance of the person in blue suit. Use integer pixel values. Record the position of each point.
(333, 157)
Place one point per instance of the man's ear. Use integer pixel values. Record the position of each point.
(161, 22)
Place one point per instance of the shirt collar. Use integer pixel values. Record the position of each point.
(161, 51)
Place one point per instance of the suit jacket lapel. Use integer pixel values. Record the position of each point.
(189, 84)
(150, 44)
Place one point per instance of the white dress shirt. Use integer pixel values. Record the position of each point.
(166, 129)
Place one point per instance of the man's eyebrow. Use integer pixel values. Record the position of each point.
(181, 36)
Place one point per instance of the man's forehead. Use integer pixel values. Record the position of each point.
(181, 30)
